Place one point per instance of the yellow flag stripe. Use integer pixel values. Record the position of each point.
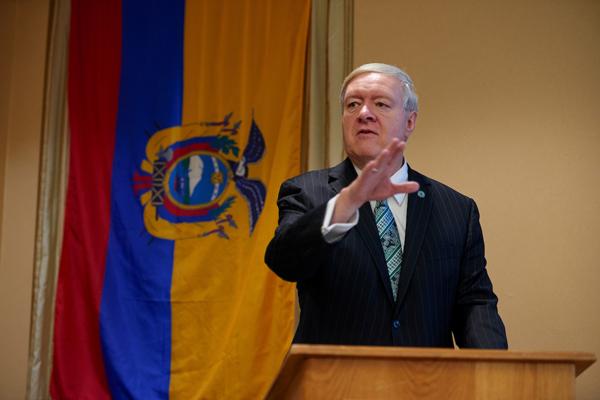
(232, 319)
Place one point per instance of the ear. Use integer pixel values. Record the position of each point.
(411, 122)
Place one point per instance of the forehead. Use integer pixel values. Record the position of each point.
(374, 84)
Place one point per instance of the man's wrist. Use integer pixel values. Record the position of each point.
(346, 206)
(334, 232)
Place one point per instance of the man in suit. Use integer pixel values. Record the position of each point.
(383, 255)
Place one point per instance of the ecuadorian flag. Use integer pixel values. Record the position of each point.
(184, 117)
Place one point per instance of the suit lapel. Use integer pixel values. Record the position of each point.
(417, 220)
(341, 176)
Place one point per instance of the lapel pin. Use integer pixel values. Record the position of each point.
(421, 194)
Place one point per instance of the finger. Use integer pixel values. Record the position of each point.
(372, 169)
(381, 161)
(405, 187)
(396, 149)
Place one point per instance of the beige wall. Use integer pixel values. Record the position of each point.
(510, 92)
(23, 31)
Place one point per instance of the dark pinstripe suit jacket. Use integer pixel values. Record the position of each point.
(344, 289)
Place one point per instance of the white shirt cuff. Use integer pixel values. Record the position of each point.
(334, 232)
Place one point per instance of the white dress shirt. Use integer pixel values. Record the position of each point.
(398, 205)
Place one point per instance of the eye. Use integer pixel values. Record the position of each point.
(381, 104)
(352, 105)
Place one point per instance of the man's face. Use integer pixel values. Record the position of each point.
(373, 115)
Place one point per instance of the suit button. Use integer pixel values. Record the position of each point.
(396, 324)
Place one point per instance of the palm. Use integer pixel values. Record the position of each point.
(377, 186)
(374, 181)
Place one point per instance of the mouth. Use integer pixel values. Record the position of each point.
(366, 132)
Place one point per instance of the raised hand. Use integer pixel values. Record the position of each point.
(373, 183)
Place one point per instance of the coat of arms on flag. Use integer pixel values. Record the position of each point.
(193, 174)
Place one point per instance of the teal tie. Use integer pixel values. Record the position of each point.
(390, 240)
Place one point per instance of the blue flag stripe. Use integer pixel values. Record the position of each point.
(135, 315)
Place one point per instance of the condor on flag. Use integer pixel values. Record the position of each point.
(184, 118)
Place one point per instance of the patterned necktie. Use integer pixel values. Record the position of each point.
(390, 240)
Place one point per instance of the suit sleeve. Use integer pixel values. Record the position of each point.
(476, 321)
(298, 249)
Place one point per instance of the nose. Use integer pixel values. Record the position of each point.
(365, 114)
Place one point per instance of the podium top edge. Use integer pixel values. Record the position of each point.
(581, 360)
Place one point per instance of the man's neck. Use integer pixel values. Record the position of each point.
(360, 166)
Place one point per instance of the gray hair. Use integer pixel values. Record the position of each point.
(411, 101)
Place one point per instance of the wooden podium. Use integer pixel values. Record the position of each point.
(364, 372)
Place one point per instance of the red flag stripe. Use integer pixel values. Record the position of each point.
(93, 87)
